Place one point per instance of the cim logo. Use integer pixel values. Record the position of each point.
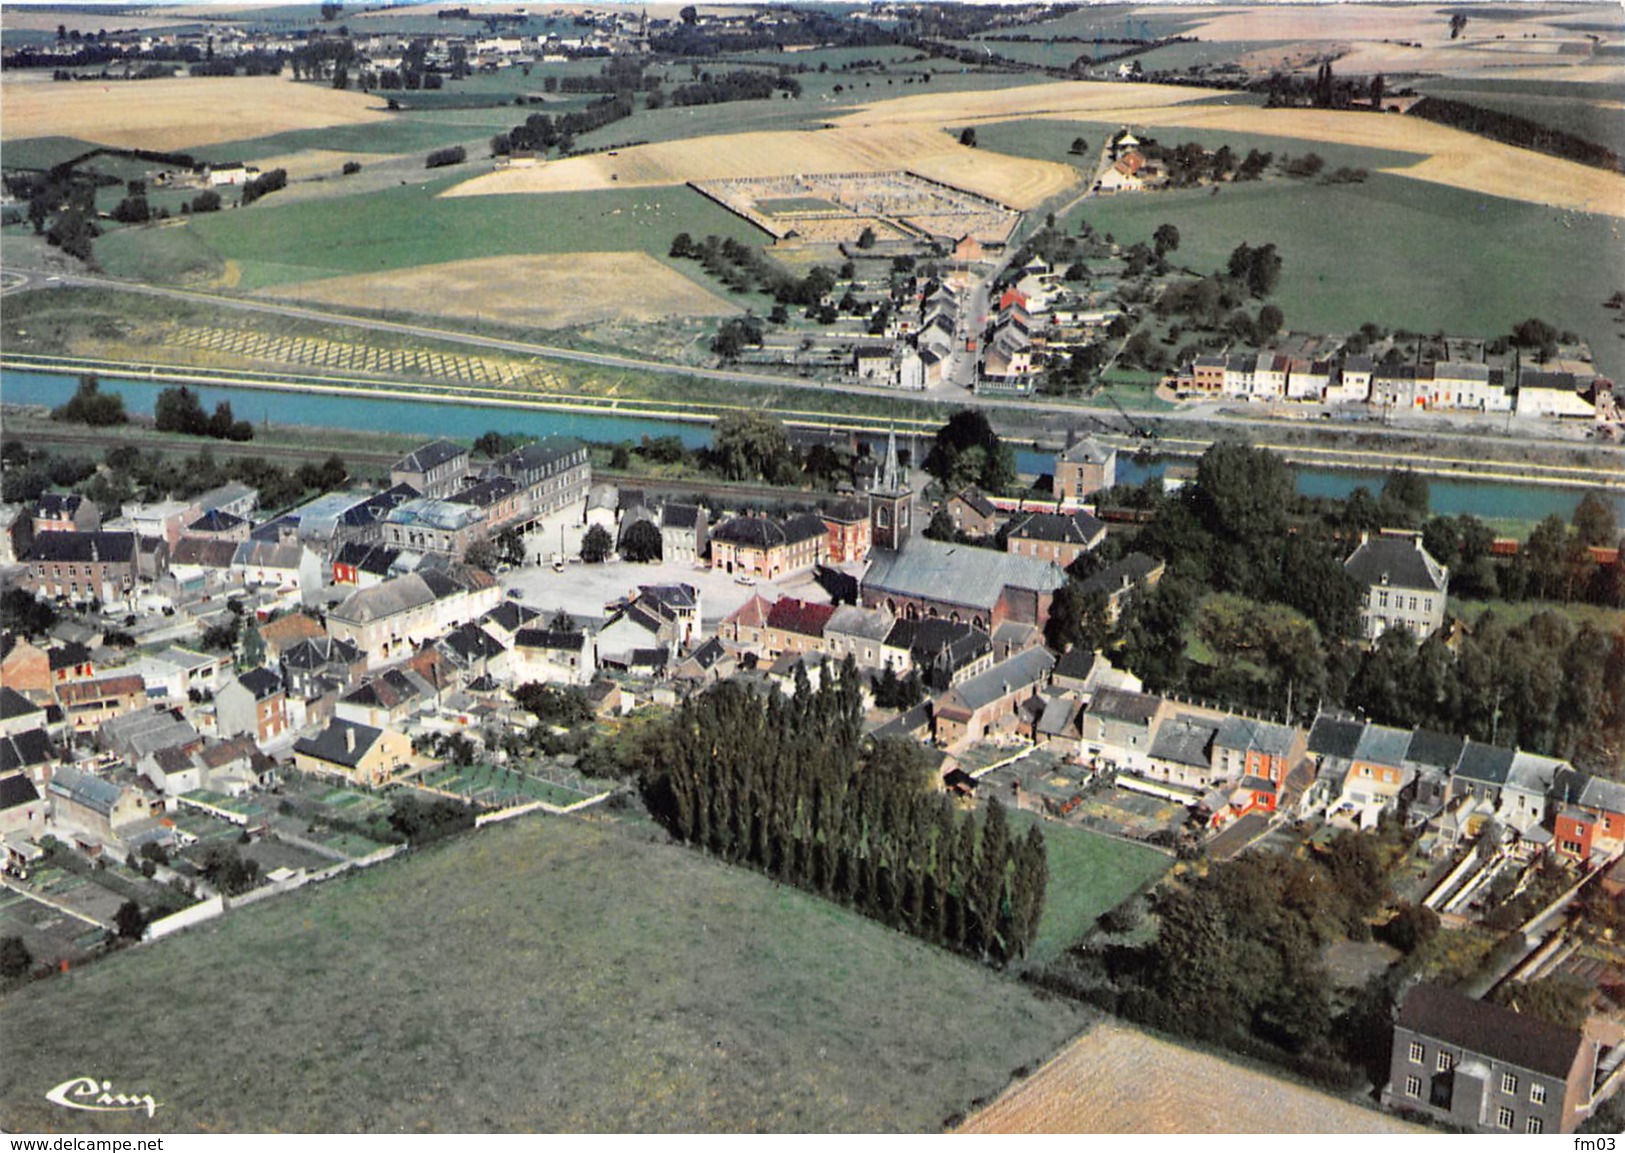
(95, 1096)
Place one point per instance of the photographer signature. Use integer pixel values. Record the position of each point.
(95, 1096)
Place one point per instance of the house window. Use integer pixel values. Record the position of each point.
(1503, 1118)
(1509, 1083)
(1413, 1086)
(1573, 848)
(1417, 1051)
(1444, 1062)
(1534, 1125)
(1537, 1094)
(1382, 600)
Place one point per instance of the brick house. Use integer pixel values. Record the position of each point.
(972, 513)
(850, 531)
(255, 704)
(991, 701)
(1084, 468)
(83, 566)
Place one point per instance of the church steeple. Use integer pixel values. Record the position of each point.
(891, 501)
(892, 477)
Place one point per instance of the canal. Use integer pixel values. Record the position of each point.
(1485, 499)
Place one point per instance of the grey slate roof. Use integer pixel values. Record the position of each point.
(958, 574)
(1087, 451)
(430, 456)
(17, 790)
(1122, 705)
(1184, 740)
(1439, 750)
(1059, 527)
(1076, 664)
(79, 547)
(261, 683)
(13, 704)
(1021, 670)
(1398, 562)
(1478, 1027)
(1382, 745)
(1335, 736)
(331, 744)
(1131, 570)
(1601, 793)
(1484, 763)
(25, 749)
(1246, 733)
(1058, 714)
(92, 792)
(852, 620)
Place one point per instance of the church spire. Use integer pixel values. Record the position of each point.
(891, 473)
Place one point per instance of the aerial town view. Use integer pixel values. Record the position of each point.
(793, 568)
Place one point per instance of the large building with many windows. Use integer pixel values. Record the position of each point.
(1492, 1070)
(1402, 584)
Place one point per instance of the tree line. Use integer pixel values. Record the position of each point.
(1515, 130)
(541, 132)
(741, 84)
(787, 785)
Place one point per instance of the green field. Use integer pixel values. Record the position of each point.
(1397, 252)
(1088, 874)
(1517, 612)
(407, 226)
(548, 974)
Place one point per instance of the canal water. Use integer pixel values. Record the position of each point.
(1486, 499)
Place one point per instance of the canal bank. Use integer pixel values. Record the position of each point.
(1457, 489)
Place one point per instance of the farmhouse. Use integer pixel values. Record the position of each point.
(989, 702)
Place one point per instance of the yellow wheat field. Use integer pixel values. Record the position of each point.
(526, 291)
(1448, 155)
(176, 114)
(1114, 1079)
(931, 152)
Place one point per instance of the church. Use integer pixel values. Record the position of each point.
(915, 578)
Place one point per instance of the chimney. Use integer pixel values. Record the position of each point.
(349, 738)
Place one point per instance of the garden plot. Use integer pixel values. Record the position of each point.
(50, 934)
(502, 788)
(223, 346)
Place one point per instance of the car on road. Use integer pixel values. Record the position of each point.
(744, 578)
(516, 593)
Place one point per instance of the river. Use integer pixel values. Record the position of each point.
(1486, 499)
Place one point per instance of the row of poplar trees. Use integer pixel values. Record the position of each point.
(788, 785)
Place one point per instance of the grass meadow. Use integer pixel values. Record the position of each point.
(1088, 874)
(549, 974)
(1397, 252)
(408, 226)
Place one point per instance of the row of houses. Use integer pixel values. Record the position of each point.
(1436, 386)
